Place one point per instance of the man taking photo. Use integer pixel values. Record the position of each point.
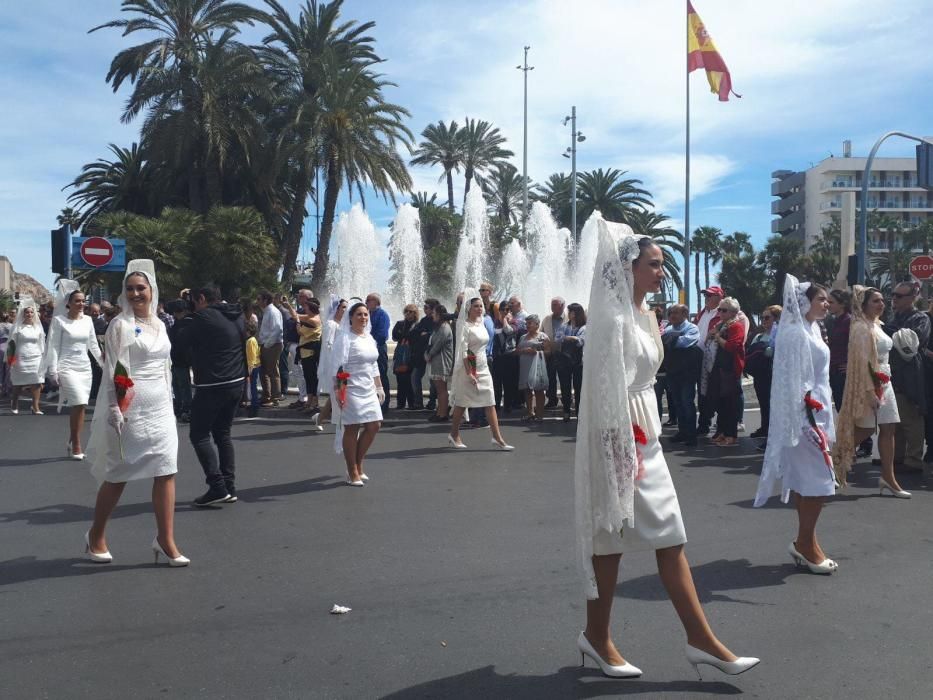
(214, 339)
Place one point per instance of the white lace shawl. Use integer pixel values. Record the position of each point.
(340, 354)
(605, 459)
(792, 377)
(462, 343)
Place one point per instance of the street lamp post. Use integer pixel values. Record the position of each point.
(575, 137)
(525, 70)
(863, 208)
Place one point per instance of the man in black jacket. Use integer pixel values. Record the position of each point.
(214, 340)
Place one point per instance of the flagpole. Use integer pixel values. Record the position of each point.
(687, 173)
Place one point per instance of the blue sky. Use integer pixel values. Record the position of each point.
(811, 74)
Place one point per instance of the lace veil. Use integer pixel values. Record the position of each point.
(792, 377)
(328, 335)
(63, 289)
(339, 356)
(462, 344)
(605, 460)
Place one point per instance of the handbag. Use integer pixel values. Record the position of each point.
(537, 374)
(401, 360)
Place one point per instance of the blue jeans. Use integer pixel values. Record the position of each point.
(683, 393)
(255, 375)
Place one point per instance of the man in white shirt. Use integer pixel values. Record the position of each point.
(270, 349)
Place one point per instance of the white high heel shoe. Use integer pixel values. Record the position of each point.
(456, 445)
(316, 422)
(358, 482)
(363, 477)
(897, 493)
(733, 668)
(99, 557)
(74, 455)
(502, 446)
(176, 561)
(825, 567)
(626, 670)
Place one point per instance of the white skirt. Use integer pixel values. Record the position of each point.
(658, 522)
(886, 413)
(75, 386)
(25, 371)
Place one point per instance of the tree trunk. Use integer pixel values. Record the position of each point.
(706, 267)
(322, 255)
(468, 176)
(291, 241)
(450, 191)
(696, 278)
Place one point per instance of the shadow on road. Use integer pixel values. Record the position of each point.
(567, 682)
(25, 569)
(711, 579)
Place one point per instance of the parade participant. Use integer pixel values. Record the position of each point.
(215, 341)
(358, 391)
(471, 380)
(24, 352)
(338, 307)
(71, 338)
(133, 434)
(801, 431)
(625, 499)
(868, 402)
(909, 328)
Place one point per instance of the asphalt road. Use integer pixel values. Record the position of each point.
(459, 570)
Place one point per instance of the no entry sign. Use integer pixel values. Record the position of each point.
(97, 251)
(921, 267)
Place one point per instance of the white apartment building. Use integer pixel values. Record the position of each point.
(808, 200)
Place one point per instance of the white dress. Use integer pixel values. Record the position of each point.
(476, 340)
(658, 522)
(27, 369)
(887, 412)
(324, 370)
(68, 344)
(804, 469)
(149, 438)
(362, 404)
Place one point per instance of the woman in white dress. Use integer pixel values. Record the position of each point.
(624, 497)
(471, 381)
(338, 307)
(359, 402)
(24, 353)
(71, 338)
(801, 430)
(134, 436)
(868, 401)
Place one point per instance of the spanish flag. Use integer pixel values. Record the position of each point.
(702, 53)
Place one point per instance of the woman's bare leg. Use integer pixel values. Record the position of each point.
(808, 512)
(326, 411)
(493, 419)
(76, 422)
(14, 397)
(529, 403)
(365, 441)
(455, 419)
(886, 450)
(539, 405)
(35, 389)
(599, 611)
(108, 495)
(163, 503)
(442, 396)
(678, 580)
(351, 435)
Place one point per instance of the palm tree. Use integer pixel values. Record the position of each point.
(127, 183)
(482, 147)
(556, 194)
(360, 134)
(705, 240)
(611, 193)
(781, 254)
(164, 70)
(504, 192)
(301, 56)
(69, 217)
(669, 240)
(442, 146)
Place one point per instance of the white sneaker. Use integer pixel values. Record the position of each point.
(741, 427)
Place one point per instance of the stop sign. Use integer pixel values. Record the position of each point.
(921, 267)
(97, 252)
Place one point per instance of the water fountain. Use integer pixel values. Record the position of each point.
(550, 251)
(352, 270)
(513, 271)
(472, 265)
(406, 260)
(586, 259)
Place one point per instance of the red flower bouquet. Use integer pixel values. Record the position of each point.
(816, 434)
(123, 389)
(342, 379)
(471, 361)
(640, 439)
(11, 353)
(879, 379)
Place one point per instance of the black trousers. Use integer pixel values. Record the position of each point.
(511, 397)
(405, 393)
(762, 385)
(551, 365)
(309, 367)
(382, 362)
(570, 376)
(662, 387)
(212, 411)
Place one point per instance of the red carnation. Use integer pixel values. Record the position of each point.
(812, 403)
(879, 379)
(640, 437)
(342, 379)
